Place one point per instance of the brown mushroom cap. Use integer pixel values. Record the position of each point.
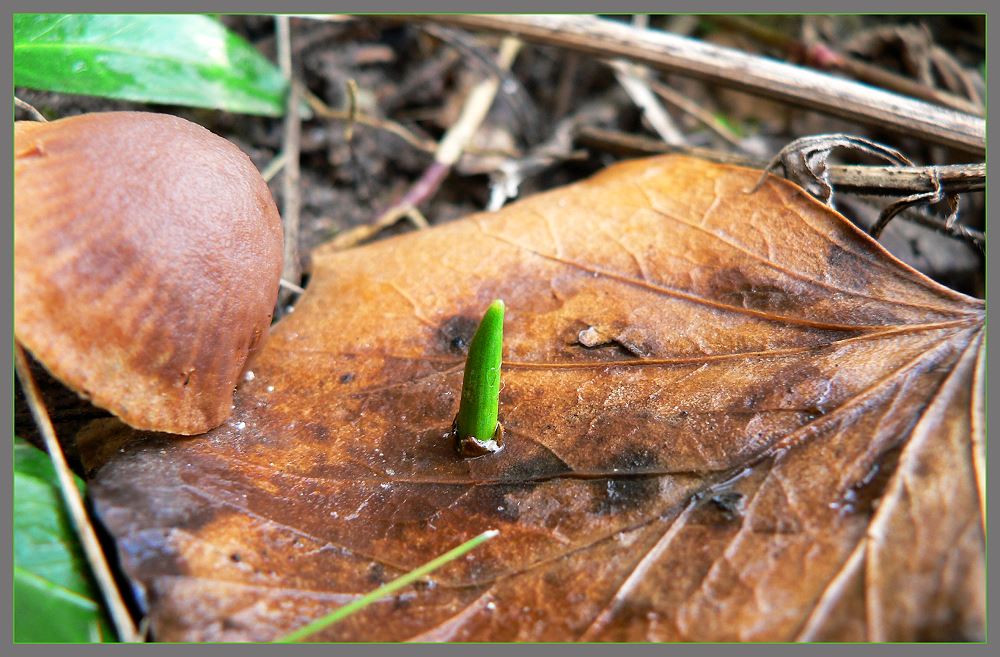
(147, 257)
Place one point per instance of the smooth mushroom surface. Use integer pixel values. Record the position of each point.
(147, 258)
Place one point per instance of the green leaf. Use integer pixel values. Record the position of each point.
(173, 59)
(55, 600)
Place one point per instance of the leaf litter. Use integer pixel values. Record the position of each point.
(789, 448)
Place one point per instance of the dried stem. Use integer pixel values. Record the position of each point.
(359, 234)
(291, 287)
(477, 105)
(324, 111)
(273, 167)
(819, 54)
(74, 503)
(517, 98)
(685, 104)
(449, 150)
(30, 109)
(635, 80)
(631, 78)
(291, 270)
(854, 178)
(732, 68)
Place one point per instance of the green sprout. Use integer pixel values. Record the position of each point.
(476, 429)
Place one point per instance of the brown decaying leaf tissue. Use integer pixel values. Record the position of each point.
(775, 438)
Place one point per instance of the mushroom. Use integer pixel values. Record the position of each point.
(147, 258)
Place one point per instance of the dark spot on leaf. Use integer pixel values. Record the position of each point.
(495, 500)
(317, 430)
(529, 471)
(624, 494)
(734, 287)
(347, 378)
(455, 333)
(376, 574)
(635, 460)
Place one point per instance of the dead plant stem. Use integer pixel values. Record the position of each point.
(292, 201)
(732, 68)
(74, 504)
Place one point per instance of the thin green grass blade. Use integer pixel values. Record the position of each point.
(386, 589)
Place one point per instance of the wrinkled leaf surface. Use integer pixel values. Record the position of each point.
(728, 416)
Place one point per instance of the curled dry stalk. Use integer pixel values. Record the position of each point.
(805, 162)
(867, 180)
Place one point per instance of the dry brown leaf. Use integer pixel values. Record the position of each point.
(775, 434)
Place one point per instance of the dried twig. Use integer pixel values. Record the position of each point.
(631, 78)
(854, 179)
(358, 234)
(324, 111)
(74, 504)
(685, 104)
(936, 195)
(805, 162)
(449, 150)
(635, 80)
(273, 167)
(30, 109)
(805, 159)
(728, 67)
(291, 270)
(513, 91)
(821, 55)
(506, 180)
(958, 231)
(565, 86)
(921, 55)
(291, 287)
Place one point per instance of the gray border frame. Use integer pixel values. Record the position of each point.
(437, 6)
